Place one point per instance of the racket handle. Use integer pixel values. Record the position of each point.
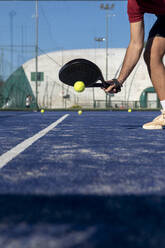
(95, 85)
(101, 85)
(105, 85)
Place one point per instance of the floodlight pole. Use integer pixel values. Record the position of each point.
(107, 41)
(12, 14)
(36, 56)
(99, 40)
(106, 7)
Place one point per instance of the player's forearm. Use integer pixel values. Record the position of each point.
(131, 58)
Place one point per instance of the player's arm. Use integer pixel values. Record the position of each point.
(133, 53)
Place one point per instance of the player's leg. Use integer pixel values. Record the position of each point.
(153, 56)
(154, 61)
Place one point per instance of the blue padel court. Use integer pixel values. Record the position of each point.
(71, 181)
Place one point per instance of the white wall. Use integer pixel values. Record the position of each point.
(52, 90)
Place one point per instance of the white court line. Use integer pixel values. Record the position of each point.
(8, 156)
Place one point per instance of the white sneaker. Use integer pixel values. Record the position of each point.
(157, 123)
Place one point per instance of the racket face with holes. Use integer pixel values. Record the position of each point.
(81, 70)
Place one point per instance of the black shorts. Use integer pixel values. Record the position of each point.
(158, 29)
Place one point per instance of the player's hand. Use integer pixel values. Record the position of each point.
(113, 86)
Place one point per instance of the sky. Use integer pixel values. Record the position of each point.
(63, 25)
(66, 24)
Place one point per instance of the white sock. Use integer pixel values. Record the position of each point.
(163, 104)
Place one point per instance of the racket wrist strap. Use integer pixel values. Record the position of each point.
(118, 85)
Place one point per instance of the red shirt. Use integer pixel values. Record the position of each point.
(137, 8)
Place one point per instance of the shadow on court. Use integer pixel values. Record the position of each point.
(115, 221)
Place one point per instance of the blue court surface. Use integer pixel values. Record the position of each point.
(90, 180)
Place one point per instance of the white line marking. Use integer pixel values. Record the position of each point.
(8, 156)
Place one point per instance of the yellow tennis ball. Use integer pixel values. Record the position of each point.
(79, 86)
(129, 110)
(42, 111)
(80, 112)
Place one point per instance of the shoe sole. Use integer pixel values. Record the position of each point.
(155, 127)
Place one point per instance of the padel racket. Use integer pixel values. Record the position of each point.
(86, 71)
